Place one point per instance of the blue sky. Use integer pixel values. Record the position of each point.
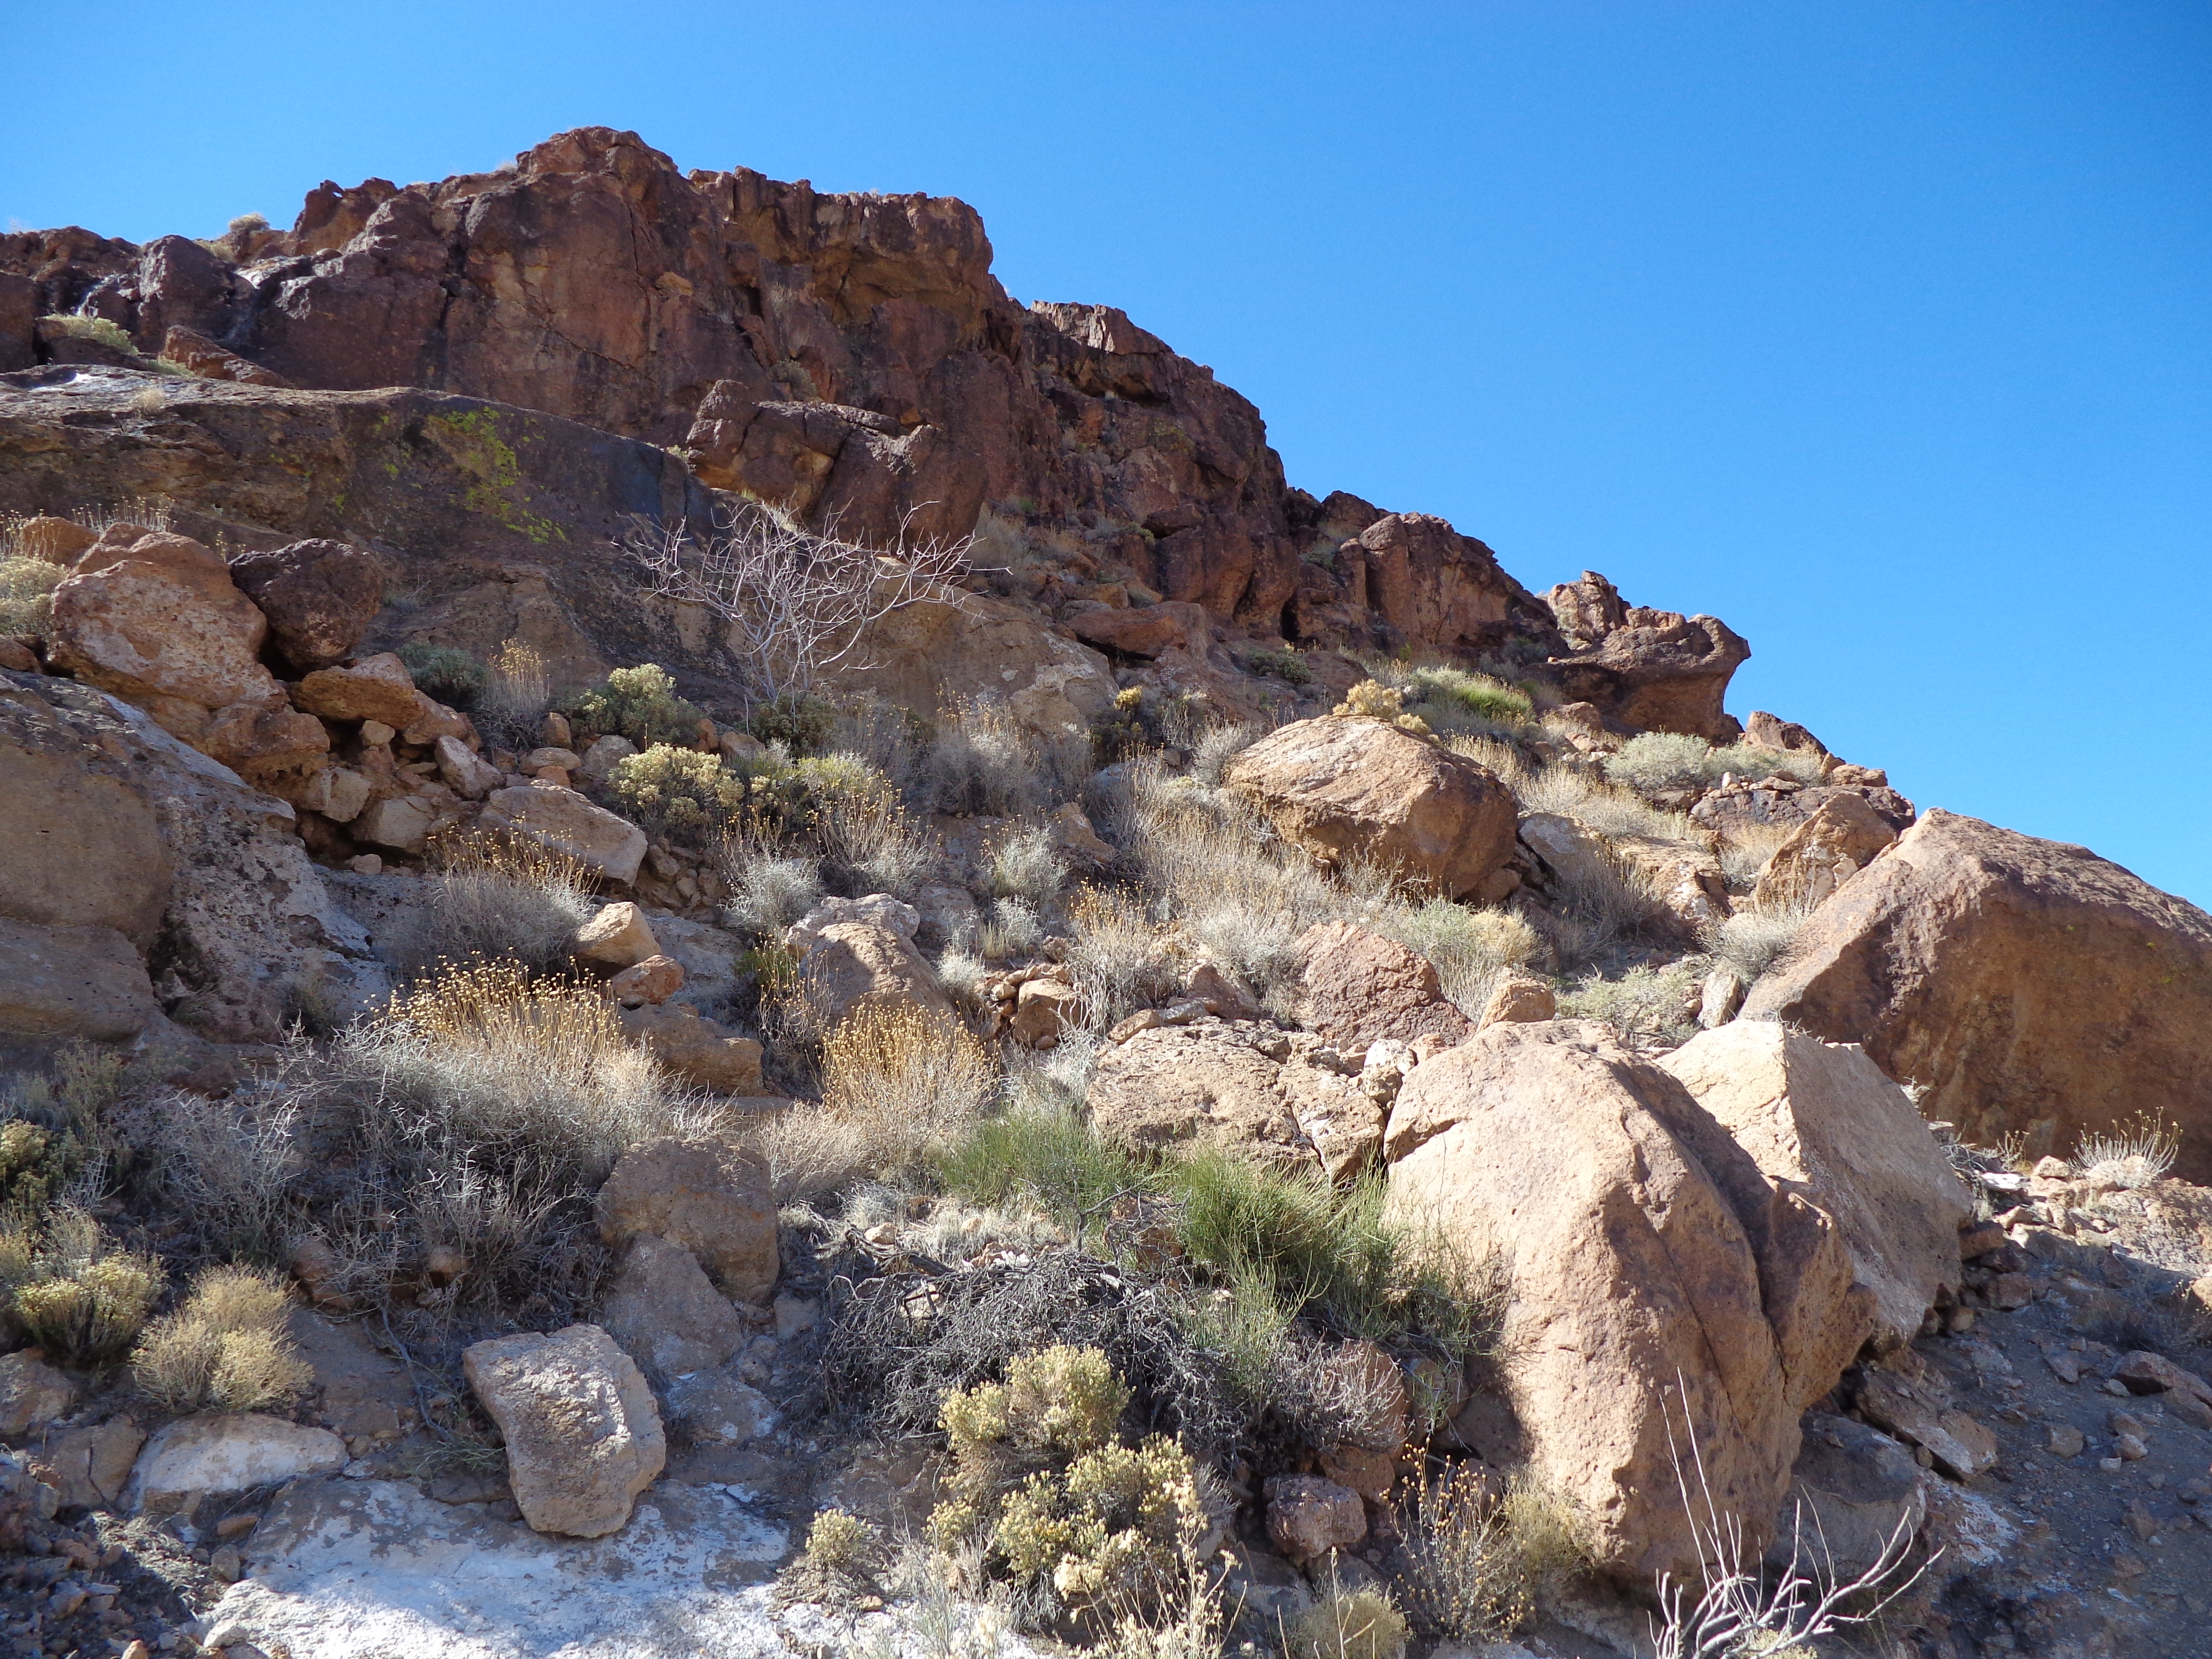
(1882, 331)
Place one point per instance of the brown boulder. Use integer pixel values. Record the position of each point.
(269, 743)
(1655, 1277)
(564, 821)
(712, 1200)
(844, 965)
(1308, 1516)
(1432, 584)
(1521, 998)
(698, 1050)
(55, 541)
(1241, 1086)
(155, 619)
(1658, 669)
(1355, 986)
(665, 1313)
(1346, 787)
(1820, 1118)
(1141, 632)
(198, 354)
(377, 688)
(2029, 986)
(57, 983)
(320, 598)
(1841, 838)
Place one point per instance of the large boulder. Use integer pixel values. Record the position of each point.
(1285, 1100)
(60, 983)
(1820, 1118)
(115, 828)
(377, 688)
(1841, 838)
(1656, 1280)
(1356, 987)
(319, 597)
(564, 821)
(1658, 669)
(155, 619)
(2027, 987)
(583, 1435)
(1347, 788)
(700, 1051)
(712, 1200)
(855, 953)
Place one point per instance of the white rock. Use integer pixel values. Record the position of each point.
(876, 910)
(468, 776)
(228, 1454)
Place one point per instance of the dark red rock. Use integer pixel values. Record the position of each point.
(320, 598)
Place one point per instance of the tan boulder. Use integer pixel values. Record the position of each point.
(698, 1050)
(377, 688)
(433, 722)
(52, 540)
(1043, 1009)
(1244, 1086)
(1687, 882)
(583, 1435)
(466, 773)
(713, 1200)
(338, 793)
(845, 964)
(90, 1466)
(79, 847)
(1344, 788)
(1522, 998)
(32, 1393)
(1821, 1119)
(155, 620)
(1356, 987)
(268, 742)
(564, 821)
(666, 1314)
(1839, 840)
(2030, 987)
(220, 1453)
(1640, 1295)
(401, 823)
(617, 937)
(646, 983)
(920, 655)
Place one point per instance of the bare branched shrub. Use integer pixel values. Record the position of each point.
(897, 1082)
(490, 898)
(1120, 961)
(1459, 1576)
(1753, 940)
(791, 605)
(225, 1349)
(983, 762)
(236, 1166)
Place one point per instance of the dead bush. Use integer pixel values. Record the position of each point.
(225, 1349)
(488, 898)
(983, 762)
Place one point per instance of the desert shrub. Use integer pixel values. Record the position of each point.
(983, 762)
(1026, 864)
(800, 723)
(1453, 700)
(1119, 962)
(1259, 948)
(35, 1163)
(1644, 1005)
(1744, 852)
(1216, 747)
(1659, 760)
(1750, 761)
(1469, 947)
(677, 793)
(1460, 1573)
(639, 703)
(1360, 1624)
(1753, 940)
(1577, 792)
(1048, 1156)
(1284, 664)
(2132, 1156)
(446, 672)
(769, 890)
(1375, 701)
(1011, 932)
(493, 897)
(225, 1349)
(26, 595)
(898, 1084)
(76, 1292)
(871, 842)
(100, 330)
(517, 690)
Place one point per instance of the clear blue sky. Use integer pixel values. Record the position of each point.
(1882, 331)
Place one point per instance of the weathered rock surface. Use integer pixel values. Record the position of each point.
(1308, 1516)
(1640, 1289)
(712, 1200)
(90, 1465)
(377, 688)
(666, 1314)
(583, 1435)
(617, 937)
(1821, 1119)
(1687, 882)
(115, 824)
(1656, 669)
(847, 965)
(2031, 987)
(699, 1050)
(1357, 987)
(230, 1454)
(1520, 998)
(32, 1394)
(1344, 788)
(1238, 1084)
(1841, 838)
(1850, 1491)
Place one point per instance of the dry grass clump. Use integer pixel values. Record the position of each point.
(1645, 1006)
(897, 1083)
(1216, 747)
(769, 888)
(2133, 1156)
(1469, 947)
(1658, 760)
(1753, 940)
(1121, 960)
(983, 762)
(517, 690)
(76, 1292)
(488, 898)
(26, 595)
(1026, 864)
(1744, 852)
(225, 1349)
(870, 842)
(1360, 1624)
(1475, 1562)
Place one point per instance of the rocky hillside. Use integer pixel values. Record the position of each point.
(710, 942)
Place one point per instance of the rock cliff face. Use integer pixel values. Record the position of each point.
(850, 357)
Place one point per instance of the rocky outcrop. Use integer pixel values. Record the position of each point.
(2027, 987)
(1356, 987)
(1655, 1275)
(1658, 669)
(1344, 787)
(1841, 838)
(1821, 1119)
(583, 1435)
(116, 829)
(713, 1200)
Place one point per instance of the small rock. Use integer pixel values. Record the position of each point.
(1520, 998)
(32, 1393)
(2140, 1521)
(2126, 1423)
(227, 1453)
(653, 981)
(236, 1526)
(618, 937)
(795, 1313)
(1980, 1239)
(226, 1564)
(2052, 1169)
(2131, 1447)
(2063, 1440)
(1308, 1516)
(366, 864)
(2125, 1565)
(2010, 1293)
(2064, 1365)
(713, 1200)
